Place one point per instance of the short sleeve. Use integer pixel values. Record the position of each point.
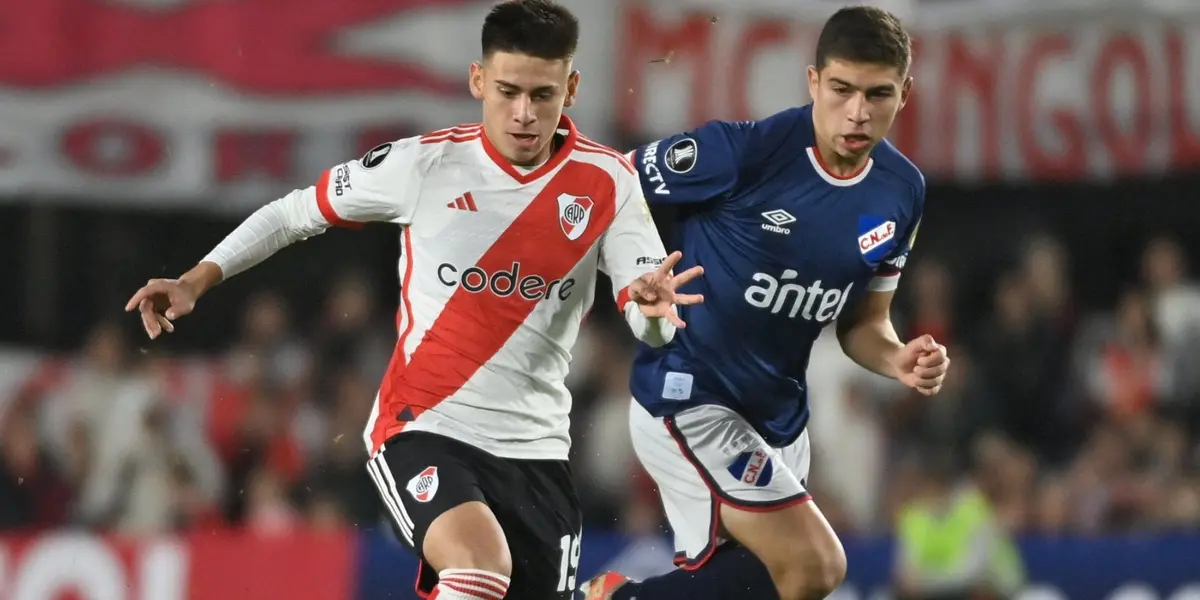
(696, 166)
(380, 186)
(887, 276)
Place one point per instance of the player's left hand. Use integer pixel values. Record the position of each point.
(922, 365)
(654, 292)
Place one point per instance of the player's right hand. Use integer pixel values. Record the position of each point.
(655, 295)
(922, 365)
(160, 302)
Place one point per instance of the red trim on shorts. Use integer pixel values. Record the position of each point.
(714, 521)
(424, 595)
(719, 498)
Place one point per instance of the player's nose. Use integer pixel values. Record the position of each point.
(857, 109)
(523, 111)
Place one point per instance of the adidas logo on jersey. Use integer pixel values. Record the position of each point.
(464, 202)
(811, 303)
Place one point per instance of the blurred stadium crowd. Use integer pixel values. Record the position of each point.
(1068, 422)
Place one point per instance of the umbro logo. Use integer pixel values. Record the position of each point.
(776, 219)
(464, 202)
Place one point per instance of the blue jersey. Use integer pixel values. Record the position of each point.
(786, 247)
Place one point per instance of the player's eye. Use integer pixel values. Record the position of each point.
(543, 96)
(845, 91)
(879, 94)
(508, 93)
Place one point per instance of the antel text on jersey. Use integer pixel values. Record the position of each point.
(812, 303)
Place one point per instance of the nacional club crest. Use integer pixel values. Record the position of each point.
(876, 236)
(574, 212)
(753, 467)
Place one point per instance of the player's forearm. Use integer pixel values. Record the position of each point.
(262, 234)
(872, 343)
(202, 277)
(654, 332)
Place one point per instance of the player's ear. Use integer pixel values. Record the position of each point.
(814, 81)
(905, 90)
(475, 80)
(572, 89)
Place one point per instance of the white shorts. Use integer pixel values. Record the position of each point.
(707, 456)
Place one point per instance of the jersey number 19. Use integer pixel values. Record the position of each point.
(569, 563)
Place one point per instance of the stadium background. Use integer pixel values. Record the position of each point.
(1061, 140)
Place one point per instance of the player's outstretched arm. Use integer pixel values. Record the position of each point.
(371, 189)
(265, 232)
(632, 251)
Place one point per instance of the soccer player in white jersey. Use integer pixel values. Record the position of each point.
(503, 226)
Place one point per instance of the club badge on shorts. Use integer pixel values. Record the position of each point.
(424, 486)
(753, 468)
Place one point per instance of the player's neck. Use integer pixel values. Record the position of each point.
(837, 164)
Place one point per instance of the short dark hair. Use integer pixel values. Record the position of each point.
(864, 34)
(540, 28)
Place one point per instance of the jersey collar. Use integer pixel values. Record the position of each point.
(832, 179)
(559, 155)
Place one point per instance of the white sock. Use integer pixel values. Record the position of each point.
(470, 584)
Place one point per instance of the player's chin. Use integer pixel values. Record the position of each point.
(522, 155)
(526, 143)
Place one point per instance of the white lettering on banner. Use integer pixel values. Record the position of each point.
(86, 568)
(248, 153)
(183, 104)
(164, 571)
(1086, 99)
(228, 126)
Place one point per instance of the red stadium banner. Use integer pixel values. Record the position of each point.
(169, 102)
(226, 105)
(1094, 97)
(202, 566)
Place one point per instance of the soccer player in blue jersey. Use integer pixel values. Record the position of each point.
(802, 219)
